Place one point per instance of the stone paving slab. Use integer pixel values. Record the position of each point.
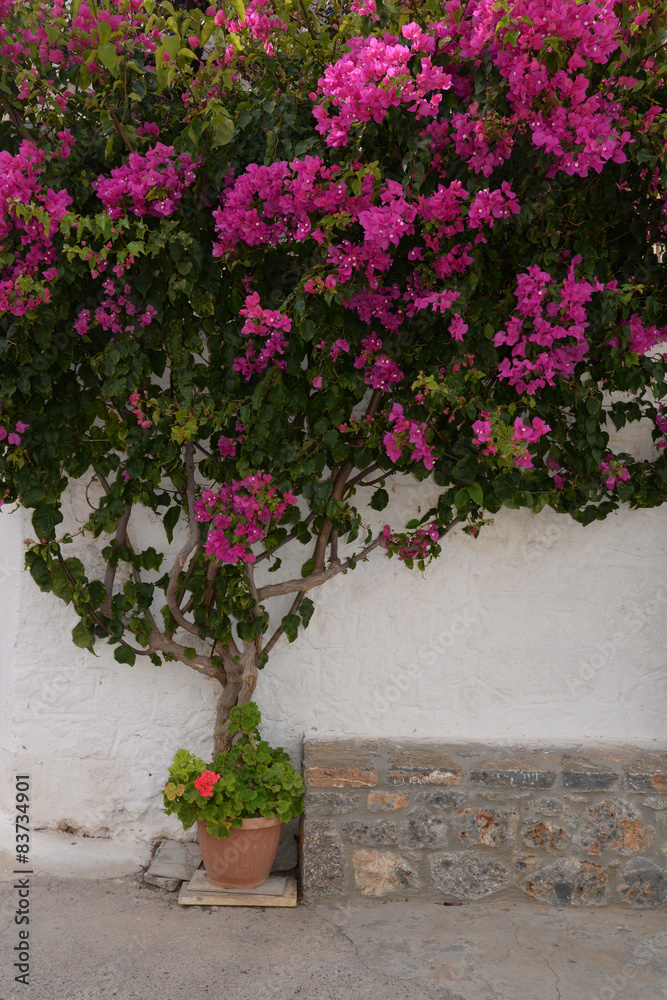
(120, 939)
(513, 951)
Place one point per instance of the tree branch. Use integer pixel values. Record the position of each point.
(252, 588)
(279, 631)
(190, 544)
(96, 618)
(292, 535)
(315, 579)
(371, 468)
(14, 118)
(160, 643)
(119, 128)
(188, 574)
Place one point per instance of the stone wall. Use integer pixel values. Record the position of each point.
(464, 822)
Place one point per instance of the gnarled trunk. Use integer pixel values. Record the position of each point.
(241, 672)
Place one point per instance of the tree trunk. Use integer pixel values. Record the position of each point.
(240, 687)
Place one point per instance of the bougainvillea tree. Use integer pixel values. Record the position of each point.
(256, 260)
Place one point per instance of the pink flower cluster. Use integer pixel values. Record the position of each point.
(374, 76)
(547, 335)
(407, 432)
(493, 433)
(53, 48)
(13, 437)
(643, 338)
(266, 203)
(226, 447)
(580, 131)
(409, 547)
(242, 514)
(483, 141)
(205, 782)
(118, 312)
(136, 402)
(150, 183)
(259, 23)
(487, 206)
(661, 425)
(29, 218)
(365, 8)
(268, 323)
(286, 201)
(613, 472)
(555, 468)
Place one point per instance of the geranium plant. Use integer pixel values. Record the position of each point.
(259, 258)
(250, 779)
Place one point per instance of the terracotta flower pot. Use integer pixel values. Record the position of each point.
(244, 859)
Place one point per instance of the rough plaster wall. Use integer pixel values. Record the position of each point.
(539, 631)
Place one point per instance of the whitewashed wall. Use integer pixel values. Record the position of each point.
(539, 631)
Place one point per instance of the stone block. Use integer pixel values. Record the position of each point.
(174, 861)
(468, 875)
(330, 803)
(527, 862)
(569, 883)
(648, 774)
(485, 827)
(545, 806)
(542, 833)
(422, 765)
(378, 873)
(614, 826)
(443, 798)
(422, 829)
(587, 773)
(381, 801)
(323, 867)
(516, 770)
(655, 802)
(379, 831)
(643, 883)
(288, 853)
(337, 765)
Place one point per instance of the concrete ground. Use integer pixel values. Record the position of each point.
(116, 937)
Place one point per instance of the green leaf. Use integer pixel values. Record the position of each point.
(379, 500)
(306, 611)
(290, 624)
(81, 637)
(461, 498)
(60, 584)
(170, 521)
(123, 654)
(108, 56)
(476, 494)
(222, 129)
(307, 567)
(44, 521)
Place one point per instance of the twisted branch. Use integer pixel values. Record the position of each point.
(315, 579)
